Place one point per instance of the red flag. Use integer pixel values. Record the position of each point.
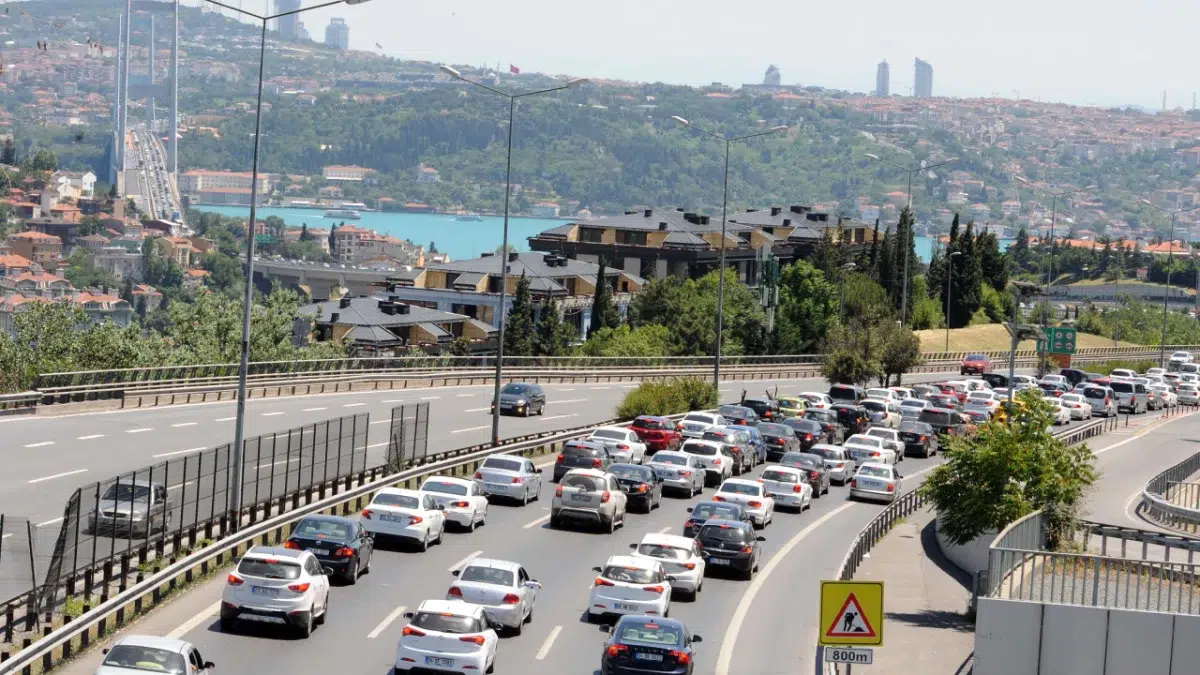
(513, 69)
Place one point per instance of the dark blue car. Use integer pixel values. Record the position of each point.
(756, 438)
(638, 645)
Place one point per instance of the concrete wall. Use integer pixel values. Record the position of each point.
(1015, 637)
(971, 557)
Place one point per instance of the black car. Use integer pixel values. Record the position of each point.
(581, 455)
(705, 511)
(340, 544)
(807, 432)
(919, 438)
(519, 398)
(828, 420)
(995, 380)
(853, 418)
(640, 484)
(738, 414)
(730, 544)
(765, 408)
(1074, 375)
(847, 393)
(780, 438)
(737, 443)
(638, 645)
(944, 421)
(813, 466)
(946, 401)
(924, 391)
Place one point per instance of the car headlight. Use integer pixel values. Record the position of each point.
(521, 402)
(137, 515)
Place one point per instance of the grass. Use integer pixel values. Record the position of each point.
(992, 337)
(1125, 282)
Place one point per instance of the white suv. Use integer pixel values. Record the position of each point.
(273, 584)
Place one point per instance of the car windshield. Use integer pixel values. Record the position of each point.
(779, 476)
(774, 429)
(1122, 387)
(664, 551)
(127, 493)
(269, 568)
(402, 501)
(1072, 398)
(517, 389)
(976, 357)
(589, 483)
(609, 433)
(632, 472)
(135, 657)
(874, 406)
(443, 487)
(699, 449)
(650, 634)
(322, 529)
(805, 425)
(875, 472)
(629, 575)
(486, 575)
(673, 460)
(651, 424)
(502, 464)
(722, 533)
(741, 488)
(936, 417)
(711, 510)
(444, 622)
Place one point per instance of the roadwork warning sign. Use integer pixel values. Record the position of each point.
(851, 613)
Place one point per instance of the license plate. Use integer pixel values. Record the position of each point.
(664, 473)
(438, 661)
(643, 656)
(392, 519)
(870, 484)
(624, 606)
(718, 561)
(319, 551)
(494, 486)
(580, 498)
(265, 592)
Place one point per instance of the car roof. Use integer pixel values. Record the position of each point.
(155, 642)
(642, 619)
(784, 468)
(731, 505)
(455, 607)
(891, 431)
(657, 539)
(449, 479)
(700, 441)
(626, 464)
(739, 481)
(493, 563)
(655, 418)
(584, 443)
(829, 446)
(594, 473)
(264, 552)
(667, 453)
(877, 465)
(632, 561)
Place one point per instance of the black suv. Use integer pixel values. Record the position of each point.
(739, 414)
(766, 409)
(828, 420)
(847, 393)
(919, 438)
(944, 421)
(732, 545)
(853, 418)
(581, 455)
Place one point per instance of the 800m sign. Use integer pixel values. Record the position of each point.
(845, 655)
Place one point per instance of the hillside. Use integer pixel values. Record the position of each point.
(992, 337)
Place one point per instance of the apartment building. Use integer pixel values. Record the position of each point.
(386, 325)
(43, 249)
(351, 173)
(355, 246)
(200, 180)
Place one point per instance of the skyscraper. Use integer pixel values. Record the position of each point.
(337, 34)
(773, 77)
(883, 76)
(289, 26)
(923, 80)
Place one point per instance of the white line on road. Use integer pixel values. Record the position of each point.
(177, 452)
(539, 521)
(460, 431)
(377, 445)
(273, 414)
(184, 424)
(139, 431)
(665, 530)
(227, 419)
(6, 536)
(381, 422)
(626, 386)
(176, 487)
(58, 475)
(88, 438)
(570, 400)
(394, 400)
(38, 445)
(352, 405)
(50, 522)
(597, 388)
(568, 389)
(464, 395)
(548, 643)
(477, 409)
(463, 563)
(559, 417)
(430, 398)
(387, 621)
(192, 623)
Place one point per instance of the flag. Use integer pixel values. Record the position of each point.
(513, 69)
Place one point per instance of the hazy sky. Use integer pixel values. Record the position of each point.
(1102, 52)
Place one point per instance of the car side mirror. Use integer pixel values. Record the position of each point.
(327, 571)
(597, 569)
(532, 583)
(209, 665)
(762, 538)
(606, 628)
(672, 577)
(104, 651)
(537, 470)
(441, 507)
(633, 546)
(697, 638)
(455, 572)
(409, 615)
(689, 509)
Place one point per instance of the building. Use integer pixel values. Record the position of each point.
(355, 245)
(427, 174)
(120, 261)
(922, 79)
(337, 34)
(356, 173)
(201, 180)
(43, 249)
(146, 298)
(289, 27)
(773, 78)
(387, 325)
(74, 184)
(545, 210)
(178, 249)
(12, 264)
(37, 285)
(883, 76)
(99, 307)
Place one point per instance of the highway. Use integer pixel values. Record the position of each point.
(151, 187)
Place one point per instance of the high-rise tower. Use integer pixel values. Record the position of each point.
(923, 80)
(883, 76)
(337, 34)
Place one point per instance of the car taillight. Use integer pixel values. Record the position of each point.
(597, 463)
(367, 513)
(292, 545)
(808, 437)
(413, 520)
(642, 488)
(681, 658)
(755, 504)
(685, 474)
(558, 492)
(891, 487)
(689, 566)
(605, 496)
(459, 504)
(617, 650)
(518, 479)
(343, 552)
(777, 441)
(511, 599)
(923, 439)
(561, 458)
(235, 580)
(298, 588)
(854, 483)
(409, 630)
(797, 488)
(718, 498)
(454, 592)
(679, 426)
(622, 446)
(603, 582)
(478, 475)
(717, 461)
(874, 454)
(653, 589)
(814, 474)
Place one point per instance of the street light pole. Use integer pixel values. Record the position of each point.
(949, 289)
(842, 292)
(1162, 347)
(500, 312)
(724, 212)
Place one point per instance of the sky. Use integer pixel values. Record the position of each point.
(1103, 52)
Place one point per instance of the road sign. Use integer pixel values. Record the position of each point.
(849, 655)
(1061, 341)
(851, 613)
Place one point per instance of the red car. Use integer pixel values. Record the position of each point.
(658, 433)
(975, 364)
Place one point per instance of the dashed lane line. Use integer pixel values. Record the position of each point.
(57, 475)
(141, 430)
(314, 409)
(548, 643)
(387, 621)
(535, 523)
(192, 623)
(89, 437)
(464, 395)
(478, 409)
(40, 444)
(226, 419)
(50, 522)
(570, 400)
(559, 417)
(177, 452)
(430, 398)
(273, 414)
(184, 424)
(352, 405)
(462, 431)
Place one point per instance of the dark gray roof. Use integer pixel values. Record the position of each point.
(533, 265)
(483, 326)
(469, 280)
(436, 331)
(375, 335)
(684, 239)
(366, 312)
(560, 232)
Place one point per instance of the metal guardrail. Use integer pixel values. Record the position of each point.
(24, 402)
(1162, 496)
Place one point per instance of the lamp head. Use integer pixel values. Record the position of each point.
(356, 2)
(445, 69)
(955, 254)
(1146, 202)
(849, 266)
(682, 121)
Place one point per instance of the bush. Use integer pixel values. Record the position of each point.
(668, 398)
(1106, 367)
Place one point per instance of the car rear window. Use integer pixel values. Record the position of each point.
(932, 417)
(778, 429)
(651, 634)
(447, 623)
(580, 451)
(402, 501)
(723, 533)
(802, 460)
(741, 489)
(779, 476)
(444, 487)
(826, 453)
(915, 427)
(589, 483)
(502, 464)
(651, 424)
(875, 472)
(913, 403)
(699, 449)
(674, 460)
(486, 575)
(874, 406)
(711, 510)
(610, 433)
(269, 568)
(632, 472)
(1121, 387)
(629, 575)
(698, 418)
(664, 551)
(843, 393)
(322, 529)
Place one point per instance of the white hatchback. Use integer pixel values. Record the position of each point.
(464, 502)
(405, 514)
(446, 635)
(864, 448)
(752, 495)
(680, 558)
(788, 486)
(630, 585)
(276, 585)
(1077, 405)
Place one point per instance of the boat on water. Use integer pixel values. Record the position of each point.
(349, 214)
(470, 217)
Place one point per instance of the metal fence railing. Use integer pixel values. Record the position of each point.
(408, 435)
(870, 535)
(1170, 500)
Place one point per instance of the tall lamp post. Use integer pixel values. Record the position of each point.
(235, 464)
(724, 211)
(1162, 347)
(949, 289)
(842, 289)
(911, 172)
(512, 110)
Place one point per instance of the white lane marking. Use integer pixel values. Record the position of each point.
(352, 405)
(191, 624)
(184, 424)
(88, 438)
(665, 530)
(273, 414)
(568, 389)
(1143, 432)
(177, 452)
(430, 398)
(464, 395)
(314, 409)
(260, 467)
(626, 386)
(570, 400)
(387, 621)
(381, 422)
(548, 643)
(597, 388)
(39, 445)
(391, 400)
(57, 475)
(559, 417)
(461, 431)
(6, 536)
(176, 487)
(477, 409)
(139, 431)
(226, 419)
(539, 521)
(50, 522)
(377, 445)
(464, 562)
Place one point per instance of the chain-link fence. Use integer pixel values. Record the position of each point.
(408, 435)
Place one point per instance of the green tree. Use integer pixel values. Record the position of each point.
(651, 340)
(553, 334)
(42, 160)
(808, 306)
(899, 351)
(926, 312)
(604, 309)
(83, 274)
(224, 273)
(967, 279)
(9, 154)
(519, 329)
(992, 263)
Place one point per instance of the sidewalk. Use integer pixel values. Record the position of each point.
(925, 600)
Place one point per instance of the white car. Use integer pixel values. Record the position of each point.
(464, 503)
(1077, 405)
(864, 448)
(1179, 358)
(891, 439)
(273, 584)
(752, 495)
(166, 655)
(693, 425)
(789, 486)
(1121, 372)
(877, 482)
(511, 477)
(624, 446)
(503, 588)
(1056, 379)
(1158, 372)
(1189, 393)
(678, 471)
(885, 394)
(816, 399)
(1167, 394)
(717, 465)
(987, 398)
(405, 514)
(445, 635)
(680, 558)
(1059, 414)
(1027, 380)
(630, 585)
(905, 393)
(884, 412)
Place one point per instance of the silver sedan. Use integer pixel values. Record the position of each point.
(509, 476)
(679, 471)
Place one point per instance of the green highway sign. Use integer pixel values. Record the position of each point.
(1061, 341)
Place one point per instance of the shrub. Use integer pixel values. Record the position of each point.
(1106, 367)
(668, 398)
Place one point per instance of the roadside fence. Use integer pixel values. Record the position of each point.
(408, 435)
(1171, 500)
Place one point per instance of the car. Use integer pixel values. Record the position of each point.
(1178, 359)
(630, 585)
(1054, 389)
(463, 502)
(448, 636)
(1102, 399)
(910, 408)
(975, 364)
(846, 393)
(828, 419)
(1153, 400)
(787, 437)
(876, 482)
(756, 441)
(882, 412)
(837, 461)
(732, 545)
(924, 391)
(919, 438)
(976, 384)
(711, 455)
(995, 380)
(753, 497)
(640, 483)
(904, 392)
(738, 414)
(705, 511)
(986, 398)
(153, 653)
(581, 454)
(738, 443)
(814, 469)
(502, 587)
(404, 514)
(977, 413)
(852, 417)
(678, 471)
(623, 444)
(509, 477)
(647, 644)
(957, 389)
(273, 584)
(520, 398)
(340, 544)
(591, 496)
(864, 448)
(1074, 375)
(1169, 397)
(1189, 393)
(765, 408)
(790, 486)
(680, 558)
(816, 399)
(1122, 372)
(1131, 396)
(134, 507)
(791, 406)
(944, 401)
(1058, 413)
(883, 394)
(1077, 405)
(694, 424)
(806, 432)
(658, 433)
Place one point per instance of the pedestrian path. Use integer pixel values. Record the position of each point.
(926, 599)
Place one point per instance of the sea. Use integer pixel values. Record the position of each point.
(460, 238)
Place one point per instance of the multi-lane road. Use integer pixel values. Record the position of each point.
(151, 186)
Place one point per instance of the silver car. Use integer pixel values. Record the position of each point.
(678, 471)
(166, 655)
(837, 462)
(494, 584)
(1131, 396)
(876, 482)
(509, 476)
(712, 456)
(133, 507)
(693, 425)
(590, 496)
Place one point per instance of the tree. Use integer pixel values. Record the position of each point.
(552, 333)
(926, 312)
(83, 274)
(992, 263)
(304, 235)
(42, 160)
(850, 357)
(828, 255)
(604, 309)
(899, 351)
(518, 331)
(967, 280)
(332, 238)
(9, 154)
(886, 269)
(904, 257)
(650, 340)
(808, 307)
(224, 273)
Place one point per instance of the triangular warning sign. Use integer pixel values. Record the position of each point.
(850, 622)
